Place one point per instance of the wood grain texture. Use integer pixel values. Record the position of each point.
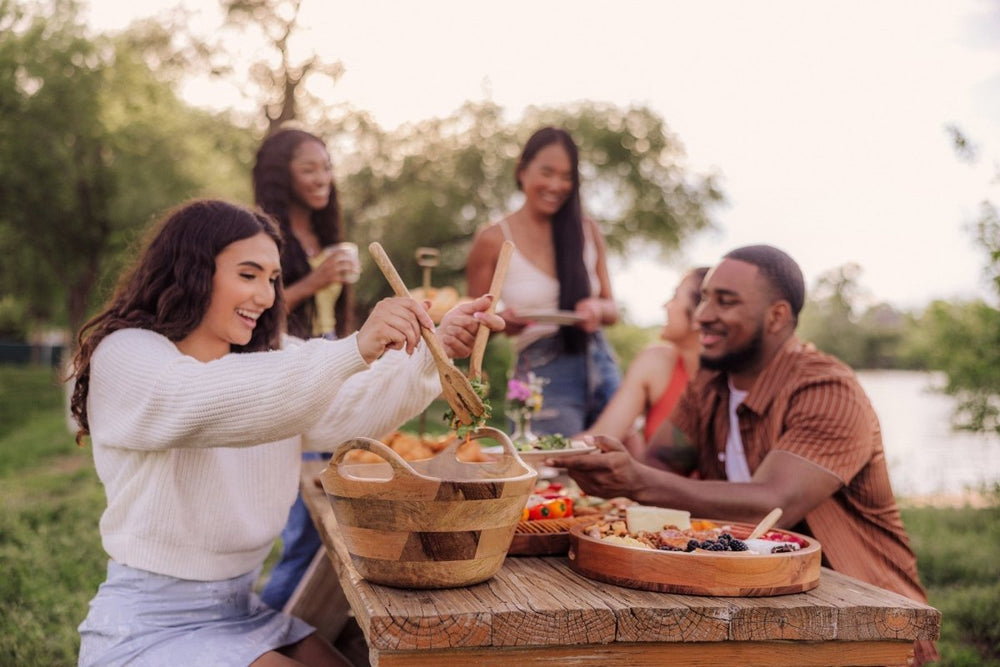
(538, 611)
(435, 523)
(735, 574)
(757, 654)
(546, 537)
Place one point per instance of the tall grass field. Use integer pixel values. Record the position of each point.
(51, 561)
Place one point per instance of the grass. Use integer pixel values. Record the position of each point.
(53, 561)
(958, 557)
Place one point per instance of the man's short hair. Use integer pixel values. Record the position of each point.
(780, 270)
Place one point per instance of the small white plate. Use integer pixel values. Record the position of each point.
(537, 456)
(562, 317)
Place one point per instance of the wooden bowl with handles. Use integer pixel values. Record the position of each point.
(436, 523)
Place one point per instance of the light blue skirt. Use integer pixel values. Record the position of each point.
(143, 618)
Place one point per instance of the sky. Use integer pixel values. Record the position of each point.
(825, 122)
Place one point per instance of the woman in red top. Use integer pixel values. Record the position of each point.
(658, 375)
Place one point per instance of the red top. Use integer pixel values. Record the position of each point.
(668, 399)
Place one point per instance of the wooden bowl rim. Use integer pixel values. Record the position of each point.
(812, 544)
(448, 456)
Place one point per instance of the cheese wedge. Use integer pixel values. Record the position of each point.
(653, 519)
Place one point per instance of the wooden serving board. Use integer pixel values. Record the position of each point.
(547, 537)
(730, 574)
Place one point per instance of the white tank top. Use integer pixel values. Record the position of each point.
(527, 287)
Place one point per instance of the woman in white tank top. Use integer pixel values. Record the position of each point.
(559, 264)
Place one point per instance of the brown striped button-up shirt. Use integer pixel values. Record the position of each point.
(811, 405)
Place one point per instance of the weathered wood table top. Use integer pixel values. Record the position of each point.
(538, 611)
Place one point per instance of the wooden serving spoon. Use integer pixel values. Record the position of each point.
(765, 524)
(456, 387)
(483, 334)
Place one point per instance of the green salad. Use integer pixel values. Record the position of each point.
(463, 430)
(546, 442)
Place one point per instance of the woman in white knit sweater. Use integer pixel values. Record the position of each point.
(198, 409)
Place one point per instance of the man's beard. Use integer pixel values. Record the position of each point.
(736, 361)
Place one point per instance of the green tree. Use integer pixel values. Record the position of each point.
(435, 182)
(836, 320)
(94, 144)
(963, 339)
(828, 319)
(279, 87)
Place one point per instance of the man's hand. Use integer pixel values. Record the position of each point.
(611, 472)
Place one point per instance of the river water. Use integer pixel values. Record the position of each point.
(925, 456)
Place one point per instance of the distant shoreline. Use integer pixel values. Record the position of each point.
(969, 499)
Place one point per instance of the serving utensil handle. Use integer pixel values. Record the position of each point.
(496, 286)
(399, 287)
(765, 524)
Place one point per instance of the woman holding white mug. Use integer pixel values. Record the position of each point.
(293, 183)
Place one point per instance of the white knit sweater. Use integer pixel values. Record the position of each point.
(200, 461)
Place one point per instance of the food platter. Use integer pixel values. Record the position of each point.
(561, 317)
(700, 572)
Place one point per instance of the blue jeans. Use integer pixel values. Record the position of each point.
(299, 543)
(579, 385)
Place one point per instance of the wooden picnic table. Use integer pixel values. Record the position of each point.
(536, 611)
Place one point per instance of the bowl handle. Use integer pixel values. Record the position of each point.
(396, 462)
(509, 450)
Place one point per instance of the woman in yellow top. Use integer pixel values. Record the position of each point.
(293, 183)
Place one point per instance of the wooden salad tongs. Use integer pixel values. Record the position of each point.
(483, 334)
(455, 386)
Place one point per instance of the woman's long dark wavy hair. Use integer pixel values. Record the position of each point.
(272, 190)
(169, 287)
(567, 232)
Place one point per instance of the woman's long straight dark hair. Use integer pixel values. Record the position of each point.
(567, 233)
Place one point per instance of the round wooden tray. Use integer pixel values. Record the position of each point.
(697, 573)
(548, 537)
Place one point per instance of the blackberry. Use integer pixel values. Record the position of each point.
(706, 544)
(738, 545)
(718, 546)
(726, 537)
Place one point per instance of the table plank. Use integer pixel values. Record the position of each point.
(537, 610)
(705, 654)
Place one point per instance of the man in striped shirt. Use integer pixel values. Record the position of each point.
(770, 422)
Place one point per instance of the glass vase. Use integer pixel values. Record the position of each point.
(522, 434)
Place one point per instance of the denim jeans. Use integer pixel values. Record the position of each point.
(579, 385)
(299, 543)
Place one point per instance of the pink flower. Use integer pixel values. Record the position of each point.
(517, 390)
